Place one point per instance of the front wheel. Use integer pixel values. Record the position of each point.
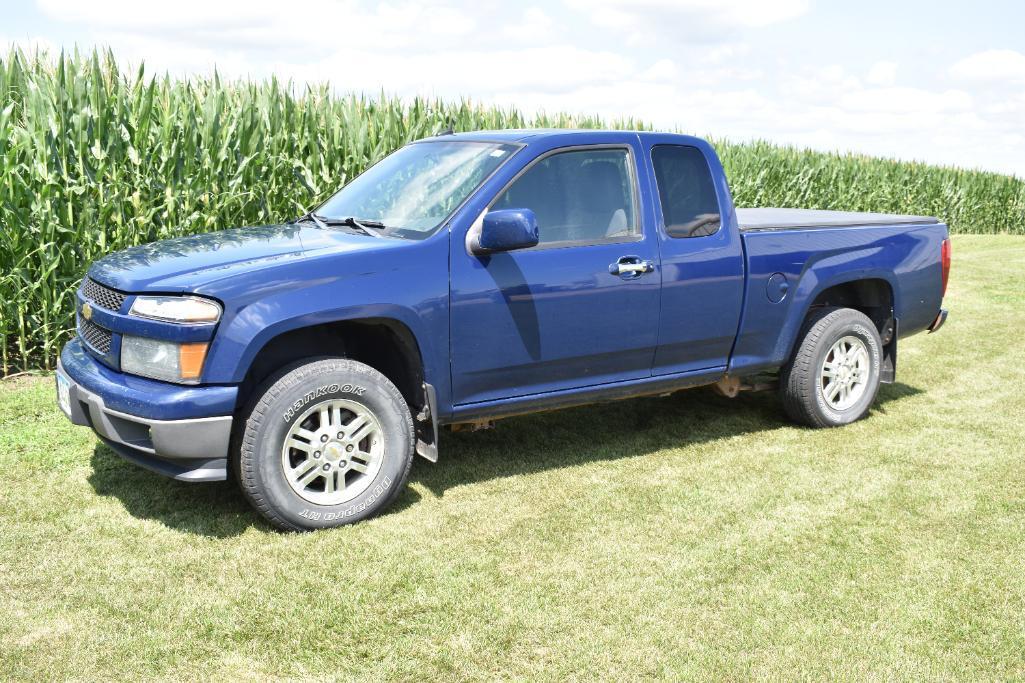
(329, 442)
(833, 377)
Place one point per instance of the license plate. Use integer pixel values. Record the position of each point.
(64, 393)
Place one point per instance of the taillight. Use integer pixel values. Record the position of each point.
(945, 263)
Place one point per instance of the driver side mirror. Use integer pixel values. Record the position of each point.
(506, 230)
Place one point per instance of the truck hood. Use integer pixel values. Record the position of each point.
(186, 264)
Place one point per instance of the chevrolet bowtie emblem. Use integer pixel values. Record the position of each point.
(87, 311)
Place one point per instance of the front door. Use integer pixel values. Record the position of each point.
(579, 309)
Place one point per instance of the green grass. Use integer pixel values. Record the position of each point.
(689, 536)
(93, 159)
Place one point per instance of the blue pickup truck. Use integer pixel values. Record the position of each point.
(470, 277)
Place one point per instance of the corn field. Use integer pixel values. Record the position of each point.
(93, 159)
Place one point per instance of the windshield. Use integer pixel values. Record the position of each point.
(415, 189)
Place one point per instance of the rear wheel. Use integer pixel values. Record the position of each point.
(833, 377)
(329, 442)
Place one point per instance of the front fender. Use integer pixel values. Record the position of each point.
(409, 287)
(258, 330)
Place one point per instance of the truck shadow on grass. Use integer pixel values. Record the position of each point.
(518, 446)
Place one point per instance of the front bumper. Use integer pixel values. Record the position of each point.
(188, 448)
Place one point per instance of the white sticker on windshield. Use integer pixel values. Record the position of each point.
(498, 153)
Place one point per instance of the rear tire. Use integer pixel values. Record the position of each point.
(833, 377)
(329, 442)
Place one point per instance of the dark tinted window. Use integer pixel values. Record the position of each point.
(581, 196)
(686, 191)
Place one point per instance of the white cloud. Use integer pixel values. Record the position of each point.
(991, 65)
(703, 66)
(662, 70)
(30, 45)
(535, 25)
(905, 100)
(725, 52)
(269, 25)
(552, 69)
(644, 22)
(684, 14)
(882, 73)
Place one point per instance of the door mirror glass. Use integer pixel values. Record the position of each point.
(506, 230)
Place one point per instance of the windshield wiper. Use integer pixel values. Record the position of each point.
(310, 216)
(362, 224)
(359, 223)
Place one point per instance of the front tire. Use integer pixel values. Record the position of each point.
(328, 443)
(833, 377)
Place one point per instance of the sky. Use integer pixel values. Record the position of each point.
(941, 81)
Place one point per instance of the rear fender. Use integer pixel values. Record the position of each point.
(816, 280)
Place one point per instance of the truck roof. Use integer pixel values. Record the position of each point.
(522, 135)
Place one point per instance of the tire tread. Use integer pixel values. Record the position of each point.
(798, 378)
(287, 379)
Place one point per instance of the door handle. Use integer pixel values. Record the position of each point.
(630, 267)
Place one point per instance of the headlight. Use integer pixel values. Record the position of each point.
(177, 309)
(169, 361)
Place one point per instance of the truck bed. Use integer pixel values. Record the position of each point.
(792, 253)
(752, 220)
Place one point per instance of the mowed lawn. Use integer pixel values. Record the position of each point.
(687, 537)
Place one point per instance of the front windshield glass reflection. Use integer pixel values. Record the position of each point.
(415, 189)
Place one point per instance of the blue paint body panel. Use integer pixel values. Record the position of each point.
(145, 397)
(702, 281)
(550, 318)
(514, 331)
(812, 260)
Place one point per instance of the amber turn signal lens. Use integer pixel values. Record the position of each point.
(190, 359)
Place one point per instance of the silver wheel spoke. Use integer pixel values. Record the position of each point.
(355, 424)
(308, 477)
(304, 467)
(360, 433)
(300, 445)
(831, 390)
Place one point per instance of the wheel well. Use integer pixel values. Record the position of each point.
(872, 297)
(386, 345)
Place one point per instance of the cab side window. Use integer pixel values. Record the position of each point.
(686, 191)
(579, 197)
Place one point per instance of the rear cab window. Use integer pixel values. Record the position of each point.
(686, 191)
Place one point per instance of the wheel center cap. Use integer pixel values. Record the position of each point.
(334, 451)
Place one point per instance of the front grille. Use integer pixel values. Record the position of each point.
(95, 336)
(102, 296)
